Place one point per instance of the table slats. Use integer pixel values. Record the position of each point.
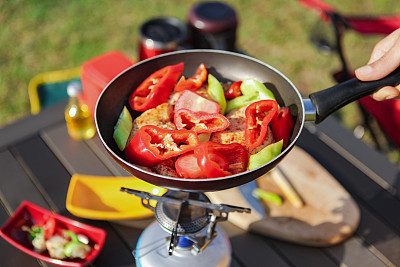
(15, 184)
(54, 178)
(359, 255)
(76, 156)
(378, 235)
(370, 161)
(355, 181)
(299, 255)
(37, 159)
(250, 249)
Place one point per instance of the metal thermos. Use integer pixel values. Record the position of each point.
(161, 35)
(212, 25)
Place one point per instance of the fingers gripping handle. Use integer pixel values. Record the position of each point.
(329, 100)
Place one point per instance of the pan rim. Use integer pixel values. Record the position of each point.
(141, 169)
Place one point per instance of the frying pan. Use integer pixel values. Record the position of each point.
(226, 67)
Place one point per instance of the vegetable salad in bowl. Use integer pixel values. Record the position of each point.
(51, 237)
(59, 243)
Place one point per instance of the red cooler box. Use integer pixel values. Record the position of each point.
(97, 72)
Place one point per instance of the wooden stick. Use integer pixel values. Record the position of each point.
(286, 187)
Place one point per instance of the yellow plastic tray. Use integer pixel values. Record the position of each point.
(99, 197)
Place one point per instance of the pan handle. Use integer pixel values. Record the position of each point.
(329, 100)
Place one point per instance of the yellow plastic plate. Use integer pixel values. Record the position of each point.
(99, 197)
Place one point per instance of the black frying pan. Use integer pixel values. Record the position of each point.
(226, 67)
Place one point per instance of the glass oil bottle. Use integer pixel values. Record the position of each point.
(77, 115)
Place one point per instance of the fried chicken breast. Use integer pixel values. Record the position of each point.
(161, 116)
(235, 133)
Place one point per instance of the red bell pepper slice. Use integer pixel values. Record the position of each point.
(234, 90)
(258, 116)
(212, 158)
(193, 83)
(186, 166)
(282, 125)
(49, 227)
(156, 89)
(152, 144)
(200, 122)
(196, 102)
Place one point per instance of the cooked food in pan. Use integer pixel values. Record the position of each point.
(196, 127)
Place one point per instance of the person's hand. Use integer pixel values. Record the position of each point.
(385, 58)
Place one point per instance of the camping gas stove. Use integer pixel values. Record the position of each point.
(185, 232)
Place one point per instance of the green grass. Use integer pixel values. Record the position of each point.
(47, 35)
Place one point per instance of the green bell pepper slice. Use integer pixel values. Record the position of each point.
(252, 91)
(216, 92)
(75, 248)
(241, 101)
(266, 154)
(267, 196)
(252, 86)
(123, 128)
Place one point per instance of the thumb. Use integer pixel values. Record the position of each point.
(381, 67)
(384, 59)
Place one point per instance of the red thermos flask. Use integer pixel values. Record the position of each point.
(161, 35)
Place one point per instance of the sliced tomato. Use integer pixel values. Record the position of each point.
(219, 160)
(186, 166)
(210, 163)
(193, 83)
(195, 102)
(156, 89)
(234, 90)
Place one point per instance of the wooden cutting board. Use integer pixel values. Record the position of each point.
(329, 214)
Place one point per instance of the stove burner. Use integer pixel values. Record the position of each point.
(192, 219)
(185, 214)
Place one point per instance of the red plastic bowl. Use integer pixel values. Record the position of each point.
(29, 214)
